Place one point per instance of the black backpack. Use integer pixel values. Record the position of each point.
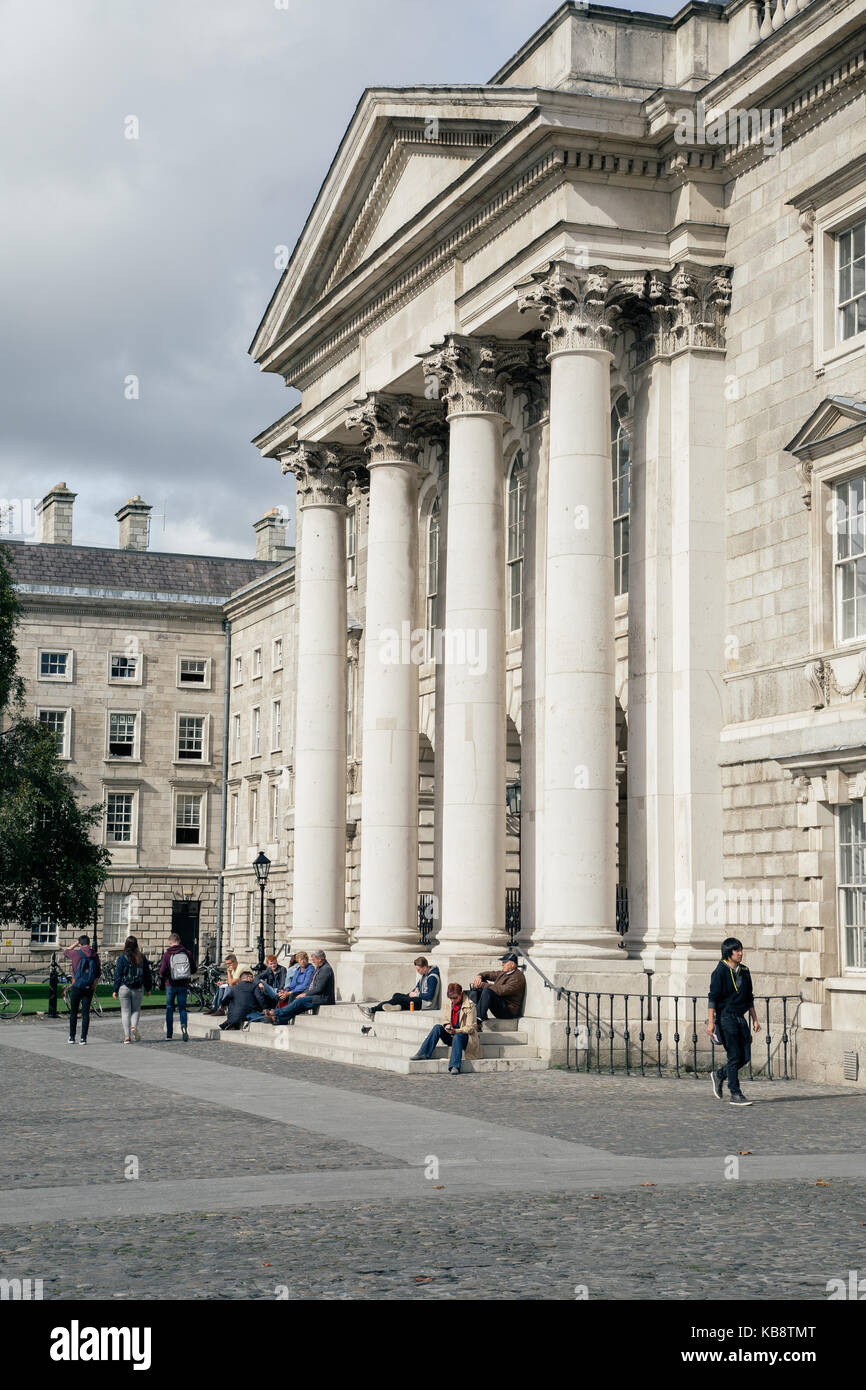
(133, 975)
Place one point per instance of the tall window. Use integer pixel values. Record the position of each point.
(516, 530)
(116, 918)
(351, 544)
(251, 922)
(350, 709)
(619, 456)
(55, 721)
(851, 302)
(236, 737)
(254, 815)
(849, 502)
(190, 737)
(118, 818)
(121, 735)
(187, 825)
(433, 569)
(235, 817)
(239, 669)
(256, 731)
(852, 885)
(277, 725)
(275, 813)
(278, 653)
(257, 662)
(232, 910)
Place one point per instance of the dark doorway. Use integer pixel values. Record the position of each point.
(184, 921)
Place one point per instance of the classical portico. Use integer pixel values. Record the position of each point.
(477, 304)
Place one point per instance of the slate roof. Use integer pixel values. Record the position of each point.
(130, 571)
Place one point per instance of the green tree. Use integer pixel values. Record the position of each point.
(49, 864)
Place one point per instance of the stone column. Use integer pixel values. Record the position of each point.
(393, 429)
(580, 797)
(472, 375)
(319, 901)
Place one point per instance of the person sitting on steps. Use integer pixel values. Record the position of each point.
(242, 1001)
(425, 994)
(459, 1031)
(499, 992)
(320, 991)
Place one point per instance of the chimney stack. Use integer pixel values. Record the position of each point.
(55, 516)
(271, 536)
(134, 524)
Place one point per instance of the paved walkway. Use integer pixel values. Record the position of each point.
(497, 1186)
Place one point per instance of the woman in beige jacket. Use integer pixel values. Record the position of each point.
(459, 1029)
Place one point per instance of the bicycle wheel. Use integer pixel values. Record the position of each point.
(16, 977)
(96, 1009)
(11, 1003)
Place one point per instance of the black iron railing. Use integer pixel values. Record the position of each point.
(425, 918)
(665, 1035)
(621, 909)
(512, 914)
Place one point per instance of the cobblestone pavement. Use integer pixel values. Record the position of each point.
(73, 1124)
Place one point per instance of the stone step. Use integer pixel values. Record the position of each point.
(411, 1037)
(389, 1056)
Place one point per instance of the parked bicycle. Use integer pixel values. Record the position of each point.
(203, 988)
(11, 1002)
(13, 977)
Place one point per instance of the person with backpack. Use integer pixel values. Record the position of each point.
(86, 970)
(132, 978)
(175, 971)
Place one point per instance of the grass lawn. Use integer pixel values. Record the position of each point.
(36, 999)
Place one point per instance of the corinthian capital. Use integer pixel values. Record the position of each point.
(395, 427)
(323, 471)
(573, 305)
(687, 308)
(471, 374)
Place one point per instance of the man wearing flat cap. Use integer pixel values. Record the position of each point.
(499, 992)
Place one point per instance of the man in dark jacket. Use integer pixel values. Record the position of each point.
(320, 991)
(424, 995)
(499, 992)
(175, 971)
(241, 1000)
(86, 970)
(730, 999)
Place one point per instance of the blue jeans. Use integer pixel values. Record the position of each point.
(436, 1035)
(297, 1006)
(174, 994)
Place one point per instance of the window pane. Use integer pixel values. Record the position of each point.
(193, 672)
(53, 663)
(124, 668)
(55, 721)
(121, 735)
(188, 824)
(190, 738)
(118, 817)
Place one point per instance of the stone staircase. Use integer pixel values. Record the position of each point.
(334, 1035)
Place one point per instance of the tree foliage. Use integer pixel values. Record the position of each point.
(50, 866)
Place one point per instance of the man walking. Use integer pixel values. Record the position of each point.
(730, 999)
(86, 970)
(321, 991)
(175, 970)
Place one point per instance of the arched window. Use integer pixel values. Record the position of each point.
(433, 569)
(619, 457)
(516, 510)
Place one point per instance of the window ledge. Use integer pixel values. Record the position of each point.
(850, 984)
(191, 762)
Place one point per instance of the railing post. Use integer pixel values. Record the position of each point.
(676, 1035)
(695, 1036)
(52, 986)
(626, 1036)
(610, 1040)
(658, 1034)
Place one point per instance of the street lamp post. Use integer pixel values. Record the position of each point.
(262, 866)
(512, 899)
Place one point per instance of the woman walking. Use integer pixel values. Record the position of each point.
(132, 978)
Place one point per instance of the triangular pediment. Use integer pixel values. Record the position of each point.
(399, 157)
(835, 417)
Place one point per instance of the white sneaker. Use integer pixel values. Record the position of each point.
(135, 1037)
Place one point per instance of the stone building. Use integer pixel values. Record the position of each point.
(582, 362)
(123, 653)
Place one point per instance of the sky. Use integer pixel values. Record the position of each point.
(134, 271)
